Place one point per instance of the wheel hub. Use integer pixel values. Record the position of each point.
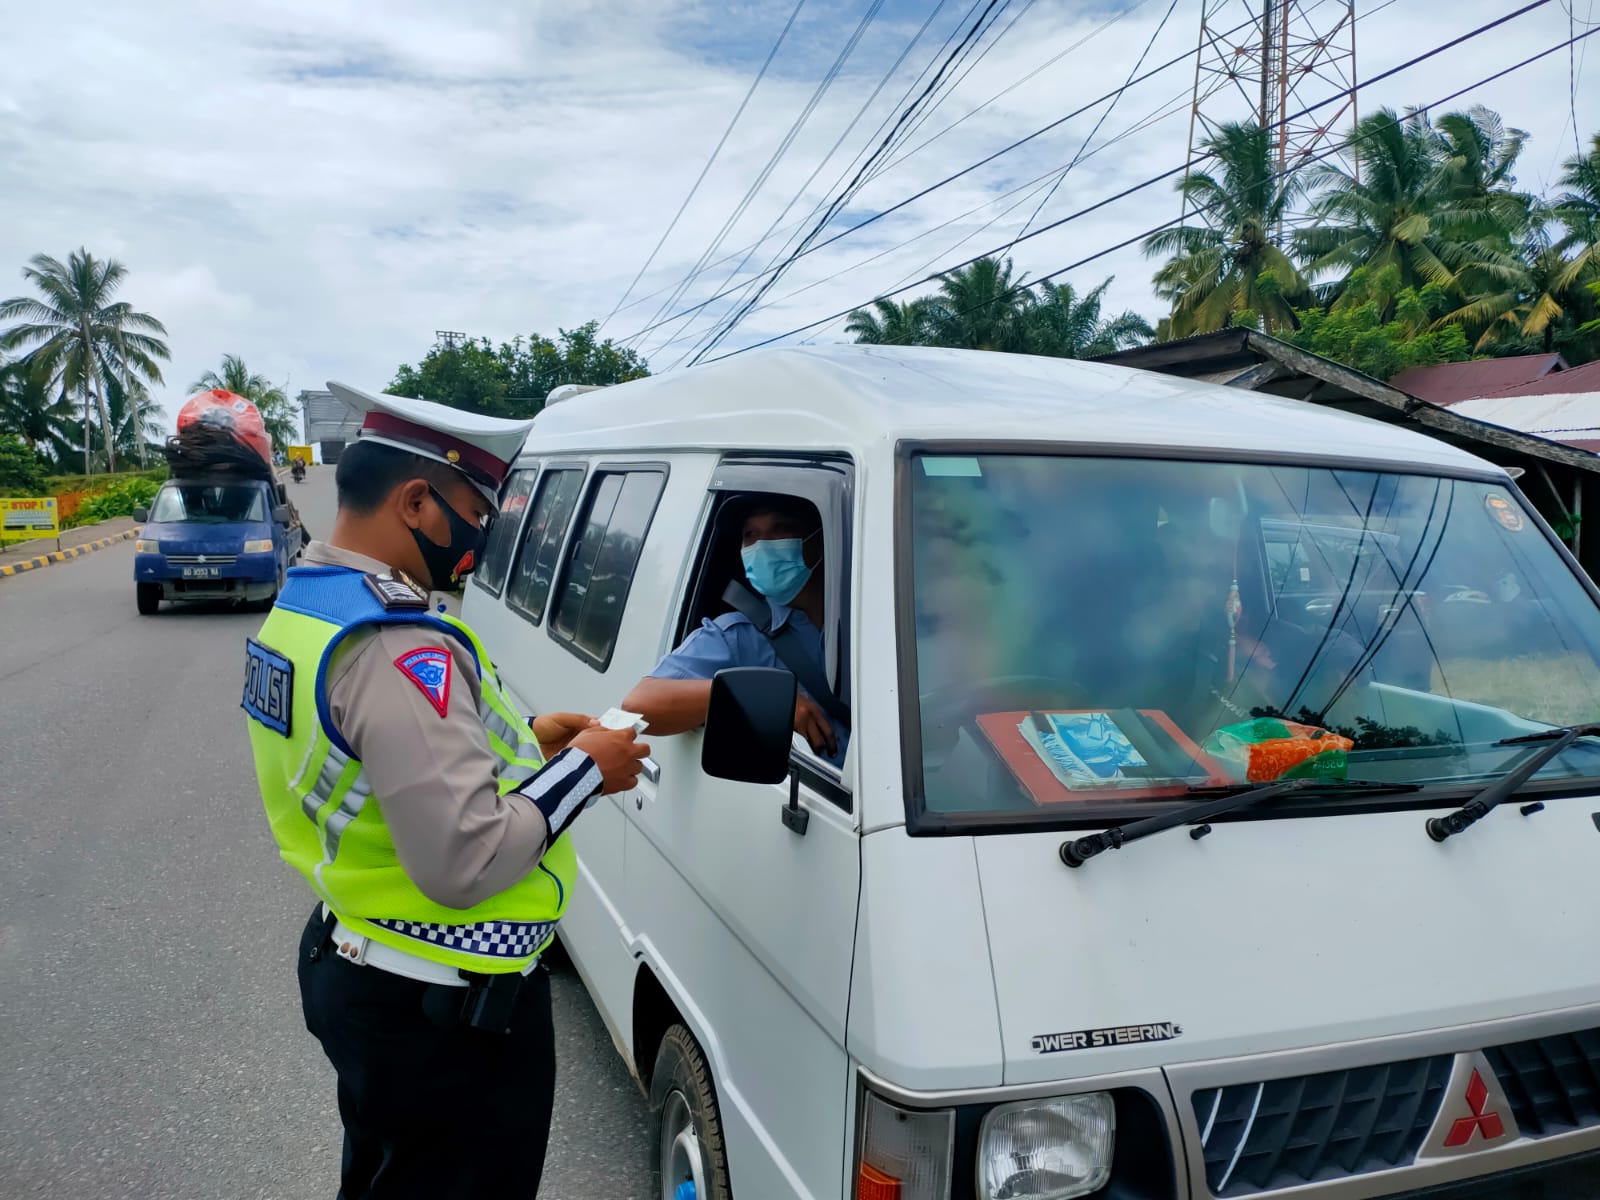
(682, 1169)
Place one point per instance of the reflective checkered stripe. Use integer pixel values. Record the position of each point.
(496, 939)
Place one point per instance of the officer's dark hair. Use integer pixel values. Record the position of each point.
(369, 471)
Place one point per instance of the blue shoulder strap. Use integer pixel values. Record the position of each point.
(340, 596)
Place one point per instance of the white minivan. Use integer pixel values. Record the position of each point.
(1218, 817)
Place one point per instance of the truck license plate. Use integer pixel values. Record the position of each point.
(202, 572)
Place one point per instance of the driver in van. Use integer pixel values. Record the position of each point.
(781, 550)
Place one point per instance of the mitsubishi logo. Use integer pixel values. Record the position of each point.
(1474, 1114)
(1481, 1121)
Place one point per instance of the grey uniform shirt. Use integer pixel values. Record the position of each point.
(432, 772)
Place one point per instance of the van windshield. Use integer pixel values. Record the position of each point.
(208, 503)
(1093, 632)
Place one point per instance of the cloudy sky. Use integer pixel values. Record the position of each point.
(319, 185)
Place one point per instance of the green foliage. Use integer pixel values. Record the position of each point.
(60, 485)
(1355, 332)
(982, 307)
(512, 379)
(86, 339)
(278, 412)
(118, 500)
(1226, 269)
(21, 472)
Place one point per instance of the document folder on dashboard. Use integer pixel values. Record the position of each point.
(1097, 754)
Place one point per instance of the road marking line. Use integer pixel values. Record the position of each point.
(55, 556)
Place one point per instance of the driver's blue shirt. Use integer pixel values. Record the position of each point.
(732, 641)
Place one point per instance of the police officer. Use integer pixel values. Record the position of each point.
(426, 814)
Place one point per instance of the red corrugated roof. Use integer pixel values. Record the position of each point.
(1448, 383)
(1558, 383)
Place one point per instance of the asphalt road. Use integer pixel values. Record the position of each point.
(150, 1035)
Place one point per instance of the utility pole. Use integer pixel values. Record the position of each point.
(1265, 60)
(449, 337)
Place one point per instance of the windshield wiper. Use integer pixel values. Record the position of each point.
(1078, 851)
(1556, 740)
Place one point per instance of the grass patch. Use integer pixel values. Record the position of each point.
(1563, 689)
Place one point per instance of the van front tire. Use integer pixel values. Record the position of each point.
(148, 598)
(688, 1145)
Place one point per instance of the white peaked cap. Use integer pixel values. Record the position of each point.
(481, 448)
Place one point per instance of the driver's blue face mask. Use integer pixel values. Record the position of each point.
(776, 567)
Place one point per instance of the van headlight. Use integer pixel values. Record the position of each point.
(258, 546)
(905, 1153)
(146, 546)
(1047, 1149)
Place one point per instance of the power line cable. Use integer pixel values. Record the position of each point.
(693, 274)
(823, 161)
(1139, 237)
(762, 280)
(1048, 63)
(1283, 121)
(657, 321)
(701, 178)
(773, 275)
(783, 147)
(955, 84)
(1031, 187)
(1044, 66)
(1101, 120)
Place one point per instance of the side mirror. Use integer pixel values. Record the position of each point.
(748, 725)
(280, 514)
(141, 515)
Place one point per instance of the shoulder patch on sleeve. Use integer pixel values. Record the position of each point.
(429, 668)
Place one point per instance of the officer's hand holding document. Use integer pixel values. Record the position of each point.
(617, 718)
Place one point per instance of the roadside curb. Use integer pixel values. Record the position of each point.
(55, 556)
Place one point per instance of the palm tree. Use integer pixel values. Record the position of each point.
(892, 324)
(1230, 266)
(86, 336)
(135, 418)
(1578, 210)
(32, 407)
(1480, 154)
(278, 412)
(1544, 301)
(981, 306)
(1062, 324)
(1417, 206)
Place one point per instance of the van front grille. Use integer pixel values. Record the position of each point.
(1258, 1137)
(203, 560)
(1553, 1083)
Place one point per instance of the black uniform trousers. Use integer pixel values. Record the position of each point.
(432, 1108)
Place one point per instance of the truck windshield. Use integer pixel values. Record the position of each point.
(1094, 632)
(208, 503)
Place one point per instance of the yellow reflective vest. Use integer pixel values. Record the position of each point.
(328, 824)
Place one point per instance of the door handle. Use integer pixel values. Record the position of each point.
(650, 769)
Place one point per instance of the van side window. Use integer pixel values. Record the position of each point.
(594, 591)
(491, 572)
(543, 533)
(821, 489)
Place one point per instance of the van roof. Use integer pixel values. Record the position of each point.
(851, 397)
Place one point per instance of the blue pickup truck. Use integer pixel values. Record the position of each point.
(215, 538)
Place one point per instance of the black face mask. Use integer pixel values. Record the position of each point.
(450, 563)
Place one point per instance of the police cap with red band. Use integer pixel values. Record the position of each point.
(481, 448)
